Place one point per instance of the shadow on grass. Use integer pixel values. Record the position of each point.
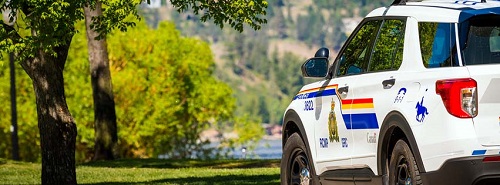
(163, 163)
(225, 180)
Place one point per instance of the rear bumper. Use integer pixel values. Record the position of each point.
(465, 170)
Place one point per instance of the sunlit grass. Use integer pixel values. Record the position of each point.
(154, 171)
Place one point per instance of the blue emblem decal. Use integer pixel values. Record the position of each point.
(401, 95)
(344, 143)
(421, 110)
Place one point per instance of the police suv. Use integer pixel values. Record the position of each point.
(413, 97)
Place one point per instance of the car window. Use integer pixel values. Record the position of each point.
(495, 40)
(354, 59)
(483, 40)
(388, 50)
(437, 44)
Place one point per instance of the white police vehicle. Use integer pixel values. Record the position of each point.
(413, 97)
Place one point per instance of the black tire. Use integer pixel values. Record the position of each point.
(294, 160)
(403, 169)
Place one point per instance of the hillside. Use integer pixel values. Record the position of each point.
(263, 66)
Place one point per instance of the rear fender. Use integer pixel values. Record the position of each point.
(394, 123)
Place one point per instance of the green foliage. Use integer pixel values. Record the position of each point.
(173, 96)
(114, 12)
(56, 19)
(236, 12)
(388, 51)
(29, 139)
(264, 81)
(164, 90)
(427, 32)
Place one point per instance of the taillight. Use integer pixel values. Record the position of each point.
(491, 159)
(459, 96)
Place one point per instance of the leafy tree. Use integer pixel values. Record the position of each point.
(236, 13)
(173, 97)
(42, 53)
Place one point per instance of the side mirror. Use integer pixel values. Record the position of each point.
(316, 67)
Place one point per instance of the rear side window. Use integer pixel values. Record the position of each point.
(495, 40)
(483, 40)
(437, 44)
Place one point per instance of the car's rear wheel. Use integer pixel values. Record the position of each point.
(295, 166)
(403, 169)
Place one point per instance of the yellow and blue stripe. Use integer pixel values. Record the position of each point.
(357, 113)
(317, 92)
(360, 113)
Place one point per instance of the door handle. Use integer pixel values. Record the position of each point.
(344, 90)
(387, 84)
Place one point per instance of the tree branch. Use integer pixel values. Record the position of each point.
(10, 32)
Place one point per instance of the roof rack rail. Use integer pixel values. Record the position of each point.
(403, 2)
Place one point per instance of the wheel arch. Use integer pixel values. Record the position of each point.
(396, 127)
(293, 124)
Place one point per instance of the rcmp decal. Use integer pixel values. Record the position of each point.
(357, 113)
(333, 130)
(323, 142)
(345, 144)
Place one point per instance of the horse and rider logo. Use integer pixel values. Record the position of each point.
(332, 124)
(421, 111)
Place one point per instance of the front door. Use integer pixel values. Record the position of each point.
(333, 131)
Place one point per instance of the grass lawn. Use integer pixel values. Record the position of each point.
(154, 171)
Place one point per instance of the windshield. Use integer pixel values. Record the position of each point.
(482, 40)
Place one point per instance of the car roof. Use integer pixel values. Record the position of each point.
(439, 10)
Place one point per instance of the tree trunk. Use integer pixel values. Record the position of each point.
(13, 107)
(104, 103)
(55, 123)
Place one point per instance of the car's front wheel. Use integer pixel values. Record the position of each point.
(403, 169)
(295, 166)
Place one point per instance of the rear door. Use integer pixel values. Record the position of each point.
(482, 58)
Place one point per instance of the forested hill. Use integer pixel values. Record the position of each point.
(263, 66)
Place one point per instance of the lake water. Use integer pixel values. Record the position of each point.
(266, 149)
